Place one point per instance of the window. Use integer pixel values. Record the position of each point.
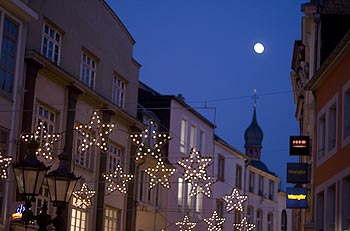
(193, 136)
(345, 203)
(88, 69)
(327, 130)
(119, 90)
(8, 54)
(185, 201)
(320, 211)
(251, 181)
(221, 168)
(82, 157)
(346, 113)
(199, 202)
(331, 207)
(114, 157)
(261, 186)
(250, 214)
(43, 196)
(220, 208)
(183, 136)
(269, 222)
(237, 215)
(332, 127)
(78, 218)
(201, 141)
(259, 220)
(271, 189)
(2, 190)
(112, 222)
(321, 136)
(145, 194)
(239, 176)
(51, 43)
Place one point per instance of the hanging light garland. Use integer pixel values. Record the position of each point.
(83, 196)
(149, 142)
(45, 139)
(235, 201)
(103, 130)
(4, 164)
(244, 225)
(159, 174)
(117, 180)
(214, 222)
(186, 224)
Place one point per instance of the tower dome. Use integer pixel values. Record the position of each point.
(253, 134)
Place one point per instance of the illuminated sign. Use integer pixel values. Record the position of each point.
(299, 146)
(296, 198)
(297, 173)
(19, 210)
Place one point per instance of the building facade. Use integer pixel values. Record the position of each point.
(319, 81)
(68, 58)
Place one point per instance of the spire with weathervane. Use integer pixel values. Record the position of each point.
(253, 136)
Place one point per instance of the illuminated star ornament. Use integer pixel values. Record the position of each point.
(186, 224)
(195, 165)
(159, 174)
(202, 186)
(83, 196)
(4, 163)
(117, 180)
(235, 200)
(45, 139)
(149, 142)
(102, 129)
(214, 222)
(244, 225)
(195, 172)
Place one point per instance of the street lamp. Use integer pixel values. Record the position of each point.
(61, 184)
(29, 174)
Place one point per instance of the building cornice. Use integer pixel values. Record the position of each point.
(63, 78)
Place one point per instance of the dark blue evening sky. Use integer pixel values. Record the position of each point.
(203, 49)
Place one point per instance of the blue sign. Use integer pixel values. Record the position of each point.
(296, 198)
(297, 173)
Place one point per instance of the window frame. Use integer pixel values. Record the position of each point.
(12, 71)
(346, 114)
(88, 69)
(119, 91)
(109, 220)
(56, 44)
(221, 168)
(325, 113)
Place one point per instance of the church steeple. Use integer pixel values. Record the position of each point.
(253, 136)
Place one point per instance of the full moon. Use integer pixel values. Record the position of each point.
(259, 48)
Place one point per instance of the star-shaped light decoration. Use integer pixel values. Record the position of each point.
(202, 186)
(159, 174)
(235, 200)
(186, 224)
(214, 222)
(102, 129)
(83, 196)
(4, 163)
(149, 142)
(244, 225)
(45, 139)
(195, 165)
(117, 180)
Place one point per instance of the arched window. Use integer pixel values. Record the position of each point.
(284, 220)
(259, 220)
(250, 214)
(269, 222)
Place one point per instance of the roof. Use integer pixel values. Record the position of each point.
(253, 135)
(261, 165)
(339, 7)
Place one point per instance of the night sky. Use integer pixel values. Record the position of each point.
(203, 49)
